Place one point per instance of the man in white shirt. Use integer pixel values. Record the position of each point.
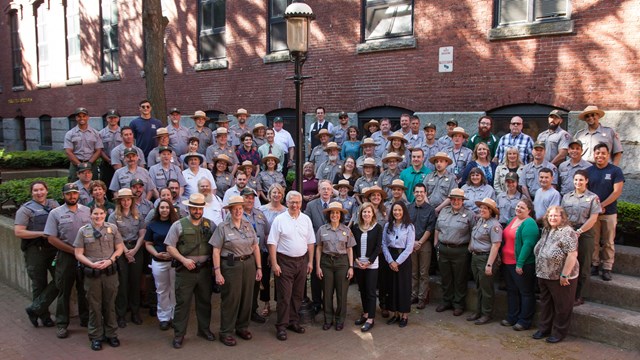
(283, 138)
(291, 243)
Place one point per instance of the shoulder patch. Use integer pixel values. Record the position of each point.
(496, 229)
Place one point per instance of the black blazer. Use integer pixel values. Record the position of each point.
(374, 242)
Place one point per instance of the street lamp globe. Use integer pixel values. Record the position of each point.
(298, 16)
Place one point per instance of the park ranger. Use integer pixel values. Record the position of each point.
(61, 229)
(84, 182)
(187, 243)
(82, 144)
(124, 175)
(97, 247)
(29, 224)
(237, 266)
(440, 182)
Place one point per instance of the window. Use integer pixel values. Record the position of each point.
(72, 23)
(1, 131)
(213, 117)
(211, 42)
(277, 25)
(109, 16)
(16, 50)
(386, 19)
(72, 121)
(43, 30)
(45, 131)
(510, 12)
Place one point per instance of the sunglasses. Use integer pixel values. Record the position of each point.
(145, 106)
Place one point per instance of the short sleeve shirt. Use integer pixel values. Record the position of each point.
(110, 139)
(335, 241)
(485, 233)
(230, 239)
(64, 223)
(454, 228)
(117, 156)
(179, 139)
(580, 207)
(602, 135)
(439, 187)
(97, 249)
(554, 141)
(566, 171)
(128, 226)
(123, 176)
(83, 143)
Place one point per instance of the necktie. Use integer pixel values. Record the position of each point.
(324, 205)
(270, 147)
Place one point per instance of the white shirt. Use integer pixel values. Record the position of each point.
(233, 191)
(213, 210)
(192, 180)
(291, 236)
(284, 139)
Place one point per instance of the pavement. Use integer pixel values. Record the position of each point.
(429, 335)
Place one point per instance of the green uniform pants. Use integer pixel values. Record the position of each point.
(188, 284)
(236, 295)
(66, 277)
(585, 252)
(38, 260)
(484, 283)
(453, 265)
(334, 272)
(129, 277)
(101, 297)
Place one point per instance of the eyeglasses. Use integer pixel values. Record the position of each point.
(145, 106)
(485, 123)
(590, 115)
(517, 124)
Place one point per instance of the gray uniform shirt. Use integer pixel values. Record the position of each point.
(117, 156)
(580, 207)
(477, 193)
(360, 162)
(386, 178)
(318, 156)
(439, 187)
(335, 241)
(154, 158)
(110, 139)
(530, 176)
(224, 182)
(122, 179)
(455, 228)
(64, 223)
(83, 143)
(500, 175)
(160, 175)
(484, 234)
(261, 225)
(229, 239)
(214, 150)
(363, 182)
(205, 136)
(566, 171)
(98, 249)
(415, 140)
(144, 207)
(507, 205)
(554, 141)
(128, 226)
(340, 134)
(328, 170)
(25, 216)
(602, 135)
(460, 158)
(430, 151)
(85, 194)
(179, 138)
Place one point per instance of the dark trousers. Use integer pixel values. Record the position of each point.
(129, 276)
(484, 284)
(106, 174)
(262, 288)
(66, 277)
(334, 271)
(367, 283)
(38, 260)
(285, 164)
(521, 300)
(290, 288)
(316, 288)
(384, 282)
(454, 264)
(400, 296)
(101, 297)
(187, 285)
(556, 306)
(236, 295)
(585, 253)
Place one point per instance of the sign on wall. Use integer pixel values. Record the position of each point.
(445, 59)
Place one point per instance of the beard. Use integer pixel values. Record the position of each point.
(70, 202)
(333, 157)
(553, 127)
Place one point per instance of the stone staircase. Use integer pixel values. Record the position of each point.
(611, 312)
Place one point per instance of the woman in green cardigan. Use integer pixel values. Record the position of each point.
(519, 238)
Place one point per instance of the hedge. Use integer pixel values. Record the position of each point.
(48, 159)
(629, 217)
(18, 190)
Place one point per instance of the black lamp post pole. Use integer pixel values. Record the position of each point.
(298, 79)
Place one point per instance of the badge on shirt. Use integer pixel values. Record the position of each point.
(108, 230)
(464, 215)
(496, 229)
(587, 199)
(344, 233)
(484, 226)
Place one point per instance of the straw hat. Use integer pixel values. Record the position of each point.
(368, 142)
(440, 155)
(371, 122)
(397, 135)
(123, 193)
(258, 126)
(196, 200)
(397, 183)
(270, 156)
(235, 200)
(224, 158)
(343, 183)
(221, 131)
(323, 132)
(335, 206)
(375, 189)
(390, 156)
(246, 164)
(459, 130)
(162, 132)
(369, 162)
(591, 109)
(241, 111)
(222, 118)
(332, 145)
(193, 154)
(457, 193)
(490, 203)
(200, 114)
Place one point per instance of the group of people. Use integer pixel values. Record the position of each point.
(210, 206)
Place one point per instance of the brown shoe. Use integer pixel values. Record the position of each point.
(458, 312)
(443, 307)
(244, 334)
(296, 328)
(281, 334)
(421, 304)
(473, 317)
(228, 340)
(414, 300)
(385, 313)
(483, 320)
(579, 301)
(177, 342)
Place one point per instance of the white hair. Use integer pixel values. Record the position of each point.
(292, 194)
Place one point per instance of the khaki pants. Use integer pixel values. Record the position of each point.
(604, 235)
(420, 263)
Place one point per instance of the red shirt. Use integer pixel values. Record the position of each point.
(509, 247)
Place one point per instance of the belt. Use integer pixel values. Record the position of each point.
(480, 252)
(159, 260)
(454, 245)
(334, 256)
(237, 258)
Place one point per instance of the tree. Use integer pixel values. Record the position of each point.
(154, 25)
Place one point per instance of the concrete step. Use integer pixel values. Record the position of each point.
(608, 324)
(627, 260)
(623, 291)
(598, 322)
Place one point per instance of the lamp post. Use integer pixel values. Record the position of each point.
(298, 16)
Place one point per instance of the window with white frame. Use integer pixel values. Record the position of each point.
(16, 50)
(211, 42)
(277, 25)
(109, 17)
(72, 22)
(43, 32)
(514, 12)
(384, 19)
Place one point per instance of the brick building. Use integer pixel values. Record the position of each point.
(371, 58)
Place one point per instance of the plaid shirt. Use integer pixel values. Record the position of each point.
(251, 155)
(523, 142)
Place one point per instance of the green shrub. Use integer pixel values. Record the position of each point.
(33, 159)
(629, 217)
(291, 178)
(18, 190)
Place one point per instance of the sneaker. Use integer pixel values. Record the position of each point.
(62, 333)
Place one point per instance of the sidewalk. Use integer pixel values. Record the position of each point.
(429, 335)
